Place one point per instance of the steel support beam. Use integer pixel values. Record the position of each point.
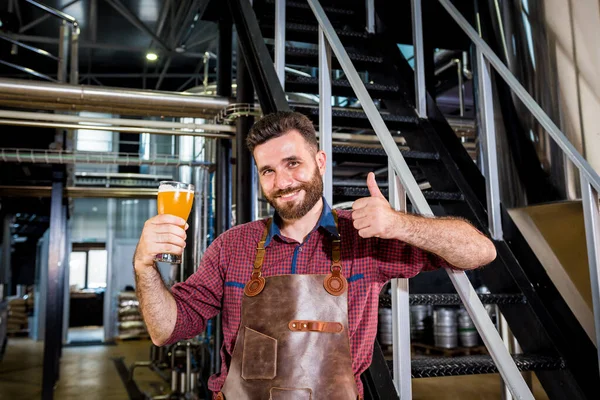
(258, 60)
(56, 265)
(135, 21)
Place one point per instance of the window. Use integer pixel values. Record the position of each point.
(87, 267)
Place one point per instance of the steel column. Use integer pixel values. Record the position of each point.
(224, 58)
(419, 60)
(252, 45)
(370, 5)
(246, 188)
(5, 268)
(400, 305)
(488, 137)
(52, 341)
(591, 214)
(280, 41)
(325, 122)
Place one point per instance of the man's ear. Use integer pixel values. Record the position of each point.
(321, 159)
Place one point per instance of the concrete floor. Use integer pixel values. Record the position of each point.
(89, 373)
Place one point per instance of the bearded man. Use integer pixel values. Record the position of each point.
(299, 292)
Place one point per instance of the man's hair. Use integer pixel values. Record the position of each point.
(278, 124)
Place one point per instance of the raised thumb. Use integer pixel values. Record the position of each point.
(372, 185)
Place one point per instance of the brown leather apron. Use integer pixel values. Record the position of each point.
(293, 341)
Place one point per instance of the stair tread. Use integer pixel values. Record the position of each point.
(307, 52)
(303, 5)
(310, 28)
(428, 367)
(290, 79)
(447, 299)
(375, 151)
(352, 191)
(358, 114)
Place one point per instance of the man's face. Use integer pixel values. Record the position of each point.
(290, 174)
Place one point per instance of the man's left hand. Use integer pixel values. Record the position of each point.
(373, 216)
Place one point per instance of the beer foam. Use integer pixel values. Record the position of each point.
(164, 189)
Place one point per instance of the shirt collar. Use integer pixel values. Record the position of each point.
(326, 221)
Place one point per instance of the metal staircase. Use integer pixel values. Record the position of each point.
(555, 345)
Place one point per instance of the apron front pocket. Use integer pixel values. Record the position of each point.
(290, 394)
(259, 358)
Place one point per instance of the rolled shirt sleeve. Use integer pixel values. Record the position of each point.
(397, 259)
(199, 298)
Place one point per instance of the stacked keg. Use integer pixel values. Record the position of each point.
(420, 317)
(467, 333)
(385, 327)
(444, 328)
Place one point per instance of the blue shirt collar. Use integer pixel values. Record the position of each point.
(326, 221)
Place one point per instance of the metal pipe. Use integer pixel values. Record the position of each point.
(400, 305)
(488, 137)
(36, 156)
(122, 122)
(370, 4)
(419, 59)
(544, 120)
(502, 359)
(81, 97)
(325, 121)
(112, 128)
(591, 214)
(53, 11)
(79, 192)
(28, 47)
(74, 50)
(280, 41)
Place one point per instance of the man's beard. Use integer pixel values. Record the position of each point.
(313, 191)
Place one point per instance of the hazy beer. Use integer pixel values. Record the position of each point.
(174, 201)
(174, 198)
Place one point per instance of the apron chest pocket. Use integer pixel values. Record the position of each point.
(259, 358)
(290, 394)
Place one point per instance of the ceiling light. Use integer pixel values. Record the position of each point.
(151, 57)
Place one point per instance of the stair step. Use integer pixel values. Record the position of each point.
(308, 33)
(290, 5)
(358, 118)
(430, 367)
(385, 300)
(351, 191)
(310, 57)
(380, 152)
(340, 87)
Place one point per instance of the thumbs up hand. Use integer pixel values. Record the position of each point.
(373, 216)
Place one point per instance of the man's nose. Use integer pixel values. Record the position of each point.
(283, 180)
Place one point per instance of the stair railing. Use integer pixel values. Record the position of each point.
(590, 180)
(504, 362)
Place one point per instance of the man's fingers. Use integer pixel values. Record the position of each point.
(372, 185)
(360, 203)
(167, 219)
(368, 232)
(170, 228)
(361, 223)
(169, 238)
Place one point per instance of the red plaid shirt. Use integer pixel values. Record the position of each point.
(368, 264)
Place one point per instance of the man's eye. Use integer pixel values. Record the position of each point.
(267, 171)
(293, 163)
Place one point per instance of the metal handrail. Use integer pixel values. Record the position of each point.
(559, 137)
(590, 180)
(53, 11)
(506, 366)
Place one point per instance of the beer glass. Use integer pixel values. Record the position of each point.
(175, 198)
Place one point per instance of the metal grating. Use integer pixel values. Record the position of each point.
(305, 80)
(351, 191)
(385, 300)
(379, 152)
(431, 367)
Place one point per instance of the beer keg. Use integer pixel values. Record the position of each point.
(445, 332)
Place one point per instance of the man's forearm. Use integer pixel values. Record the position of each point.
(453, 239)
(156, 303)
